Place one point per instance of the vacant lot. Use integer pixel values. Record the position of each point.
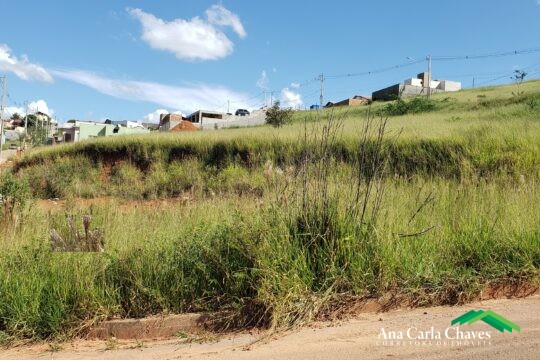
(427, 201)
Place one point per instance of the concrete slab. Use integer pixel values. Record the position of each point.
(148, 328)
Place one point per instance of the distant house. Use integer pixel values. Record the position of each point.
(198, 117)
(82, 130)
(420, 85)
(47, 122)
(126, 123)
(355, 100)
(13, 135)
(174, 123)
(209, 120)
(151, 126)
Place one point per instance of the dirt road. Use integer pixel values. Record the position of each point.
(6, 154)
(351, 339)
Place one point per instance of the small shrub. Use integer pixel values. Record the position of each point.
(238, 179)
(127, 181)
(416, 105)
(16, 189)
(71, 239)
(157, 181)
(63, 176)
(278, 117)
(13, 192)
(185, 175)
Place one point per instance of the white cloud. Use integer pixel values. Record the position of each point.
(218, 15)
(262, 82)
(153, 117)
(290, 98)
(295, 85)
(22, 67)
(41, 106)
(194, 39)
(33, 107)
(10, 110)
(184, 98)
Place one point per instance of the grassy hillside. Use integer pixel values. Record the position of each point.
(276, 226)
(481, 133)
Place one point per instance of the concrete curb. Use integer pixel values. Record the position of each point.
(148, 328)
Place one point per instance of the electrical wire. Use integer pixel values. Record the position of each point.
(508, 74)
(488, 55)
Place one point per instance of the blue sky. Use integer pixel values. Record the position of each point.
(129, 60)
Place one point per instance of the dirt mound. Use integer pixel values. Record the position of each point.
(184, 126)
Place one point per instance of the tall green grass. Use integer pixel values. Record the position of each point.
(229, 254)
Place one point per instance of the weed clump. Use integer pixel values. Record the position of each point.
(416, 105)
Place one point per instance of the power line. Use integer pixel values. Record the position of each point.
(376, 71)
(487, 55)
(532, 66)
(477, 75)
(433, 58)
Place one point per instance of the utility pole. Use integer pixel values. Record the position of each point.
(25, 124)
(228, 106)
(2, 112)
(321, 79)
(271, 98)
(429, 76)
(473, 79)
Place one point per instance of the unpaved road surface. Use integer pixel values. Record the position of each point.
(6, 154)
(351, 339)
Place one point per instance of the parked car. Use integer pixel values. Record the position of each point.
(241, 112)
(12, 146)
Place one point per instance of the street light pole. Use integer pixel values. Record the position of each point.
(429, 77)
(2, 111)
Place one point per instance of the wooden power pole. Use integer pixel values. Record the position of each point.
(2, 112)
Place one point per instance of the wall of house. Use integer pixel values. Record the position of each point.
(257, 117)
(169, 121)
(389, 93)
(447, 85)
(88, 131)
(413, 81)
(394, 91)
(128, 131)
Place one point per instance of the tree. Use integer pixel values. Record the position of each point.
(32, 120)
(518, 77)
(37, 130)
(278, 117)
(16, 116)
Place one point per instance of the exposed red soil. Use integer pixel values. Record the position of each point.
(184, 126)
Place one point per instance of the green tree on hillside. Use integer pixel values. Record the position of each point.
(278, 117)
